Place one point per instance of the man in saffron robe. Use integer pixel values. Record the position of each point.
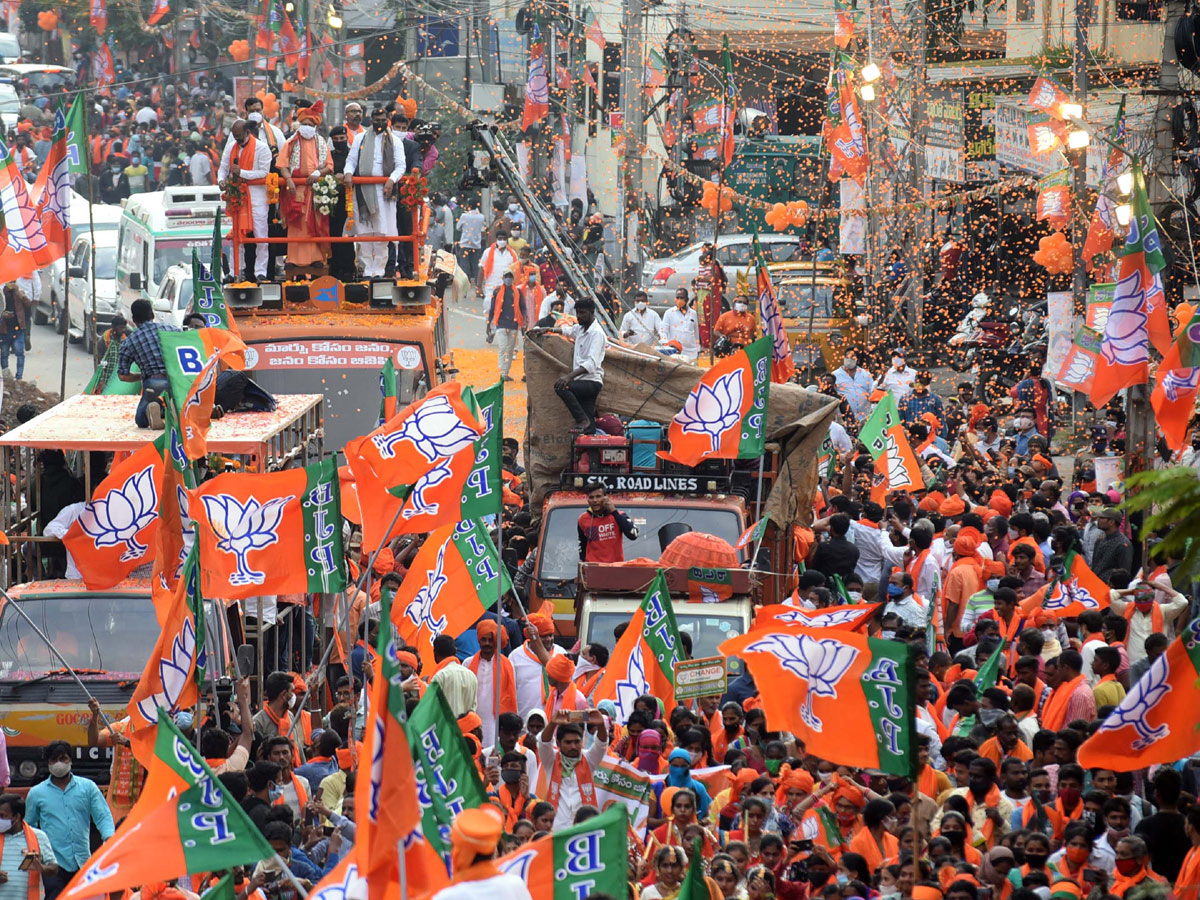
(304, 158)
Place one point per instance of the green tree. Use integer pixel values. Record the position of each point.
(1171, 500)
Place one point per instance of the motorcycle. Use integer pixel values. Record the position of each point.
(964, 342)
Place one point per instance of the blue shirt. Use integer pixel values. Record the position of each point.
(916, 405)
(856, 388)
(313, 772)
(66, 814)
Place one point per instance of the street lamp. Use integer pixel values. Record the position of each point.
(333, 20)
(1125, 183)
(867, 92)
(1078, 139)
(1071, 111)
(870, 73)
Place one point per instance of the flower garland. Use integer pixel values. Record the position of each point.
(349, 212)
(413, 188)
(272, 182)
(234, 194)
(325, 194)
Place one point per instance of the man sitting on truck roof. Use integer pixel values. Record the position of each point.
(601, 526)
(580, 387)
(143, 347)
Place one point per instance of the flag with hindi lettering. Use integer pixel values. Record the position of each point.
(184, 822)
(77, 155)
(1175, 387)
(618, 781)
(1158, 720)
(449, 586)
(708, 585)
(115, 532)
(783, 367)
(643, 661)
(484, 486)
(208, 297)
(725, 414)
(589, 858)
(896, 467)
(537, 83)
(1076, 591)
(279, 533)
(848, 696)
(1138, 317)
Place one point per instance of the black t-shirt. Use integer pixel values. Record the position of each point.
(1164, 835)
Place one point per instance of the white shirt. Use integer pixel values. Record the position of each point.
(646, 326)
(682, 327)
(486, 705)
(874, 549)
(527, 672)
(498, 887)
(548, 301)
(262, 166)
(911, 612)
(502, 261)
(569, 798)
(589, 350)
(146, 116)
(1141, 625)
(374, 167)
(60, 525)
(898, 382)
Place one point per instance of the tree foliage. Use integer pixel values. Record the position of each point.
(1171, 500)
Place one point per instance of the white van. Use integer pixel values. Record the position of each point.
(48, 304)
(173, 299)
(159, 230)
(91, 315)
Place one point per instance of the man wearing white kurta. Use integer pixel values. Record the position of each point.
(376, 152)
(241, 149)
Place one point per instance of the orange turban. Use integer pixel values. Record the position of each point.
(1000, 503)
(925, 892)
(849, 792)
(488, 626)
(934, 423)
(474, 832)
(543, 623)
(385, 562)
(1039, 458)
(741, 781)
(952, 506)
(981, 511)
(469, 722)
(560, 668)
(792, 778)
(965, 545)
(405, 656)
(310, 115)
(928, 504)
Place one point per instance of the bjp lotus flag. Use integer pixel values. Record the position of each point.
(279, 533)
(896, 467)
(1076, 591)
(484, 486)
(537, 82)
(783, 367)
(208, 297)
(25, 247)
(52, 191)
(725, 415)
(167, 835)
(449, 586)
(1047, 96)
(424, 455)
(591, 29)
(707, 585)
(849, 697)
(377, 508)
(175, 525)
(1158, 720)
(590, 858)
(643, 662)
(186, 352)
(170, 680)
(161, 8)
(849, 617)
(115, 532)
(1174, 396)
(99, 15)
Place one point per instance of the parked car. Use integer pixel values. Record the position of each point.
(10, 48)
(30, 78)
(100, 218)
(10, 106)
(88, 315)
(662, 277)
(172, 300)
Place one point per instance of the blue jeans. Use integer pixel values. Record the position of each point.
(153, 387)
(13, 342)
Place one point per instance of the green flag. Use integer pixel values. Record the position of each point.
(988, 673)
(694, 886)
(388, 391)
(208, 298)
(579, 861)
(447, 780)
(222, 890)
(883, 419)
(484, 487)
(77, 151)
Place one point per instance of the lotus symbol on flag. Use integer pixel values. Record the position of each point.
(519, 865)
(433, 428)
(1177, 381)
(713, 410)
(1080, 369)
(1126, 335)
(832, 617)
(173, 674)
(419, 611)
(241, 529)
(1072, 592)
(57, 201)
(338, 890)
(188, 531)
(898, 474)
(822, 662)
(417, 504)
(1142, 698)
(634, 684)
(116, 518)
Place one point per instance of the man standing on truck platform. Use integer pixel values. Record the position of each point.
(601, 526)
(143, 347)
(580, 387)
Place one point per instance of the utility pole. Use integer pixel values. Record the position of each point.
(1079, 220)
(917, 129)
(634, 127)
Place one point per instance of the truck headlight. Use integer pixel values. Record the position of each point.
(27, 769)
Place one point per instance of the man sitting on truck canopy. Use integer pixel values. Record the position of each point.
(601, 526)
(580, 387)
(143, 347)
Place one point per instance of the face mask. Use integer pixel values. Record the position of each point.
(954, 837)
(695, 756)
(501, 245)
(739, 307)
(894, 590)
(640, 306)
(1069, 797)
(1023, 423)
(843, 878)
(510, 776)
(993, 584)
(5, 825)
(888, 634)
(855, 596)
(890, 895)
(308, 132)
(380, 128)
(1012, 534)
(1127, 866)
(773, 765)
(817, 879)
(292, 702)
(60, 769)
(1078, 855)
(850, 363)
(512, 207)
(275, 792)
(1094, 510)
(1115, 834)
(255, 117)
(825, 777)
(1036, 860)
(1143, 606)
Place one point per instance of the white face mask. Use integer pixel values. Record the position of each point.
(640, 306)
(855, 596)
(695, 756)
(308, 132)
(255, 117)
(993, 584)
(850, 363)
(512, 207)
(739, 307)
(292, 702)
(5, 825)
(825, 777)
(501, 245)
(887, 634)
(60, 769)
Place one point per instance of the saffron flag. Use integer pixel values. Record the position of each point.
(844, 24)
(707, 585)
(1076, 591)
(591, 28)
(848, 617)
(115, 532)
(1047, 96)
(289, 43)
(1159, 717)
(725, 415)
(161, 8)
(1174, 396)
(176, 530)
(447, 778)
(103, 69)
(537, 83)
(752, 534)
(25, 248)
(424, 455)
(449, 586)
(77, 155)
(589, 858)
(643, 662)
(654, 74)
(1046, 136)
(390, 814)
(783, 367)
(52, 191)
(187, 824)
(1078, 368)
(1103, 225)
(193, 360)
(1054, 199)
(279, 533)
(170, 680)
(484, 486)
(99, 15)
(849, 697)
(896, 467)
(1138, 316)
(728, 102)
(842, 128)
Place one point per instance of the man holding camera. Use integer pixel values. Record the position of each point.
(25, 852)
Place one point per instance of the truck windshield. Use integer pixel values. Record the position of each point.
(346, 371)
(92, 631)
(707, 631)
(560, 542)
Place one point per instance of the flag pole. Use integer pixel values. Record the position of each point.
(498, 422)
(66, 665)
(287, 873)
